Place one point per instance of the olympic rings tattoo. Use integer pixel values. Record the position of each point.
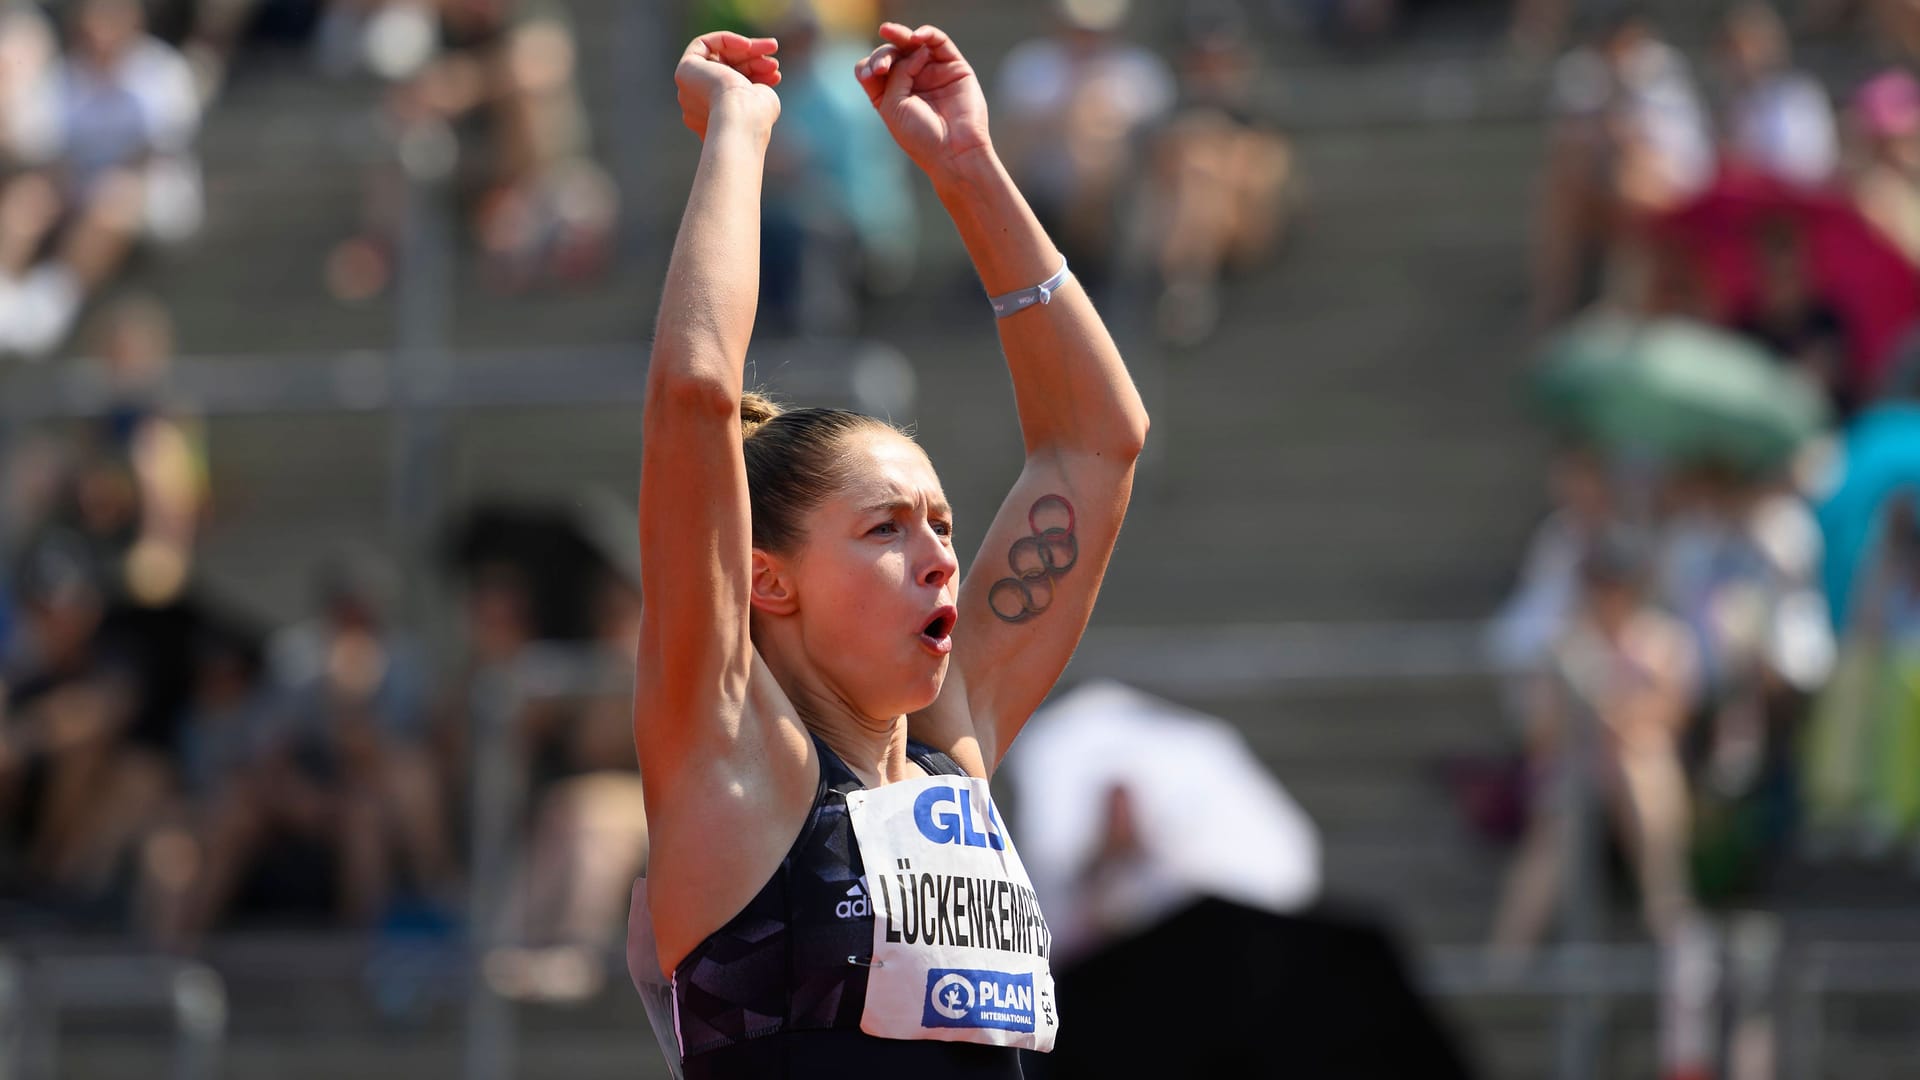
(1037, 561)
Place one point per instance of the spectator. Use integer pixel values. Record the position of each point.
(225, 736)
(1891, 26)
(840, 218)
(1795, 322)
(503, 82)
(127, 112)
(837, 18)
(500, 618)
(211, 33)
(1779, 119)
(77, 776)
(1889, 623)
(1737, 567)
(1631, 138)
(347, 769)
(1732, 553)
(1626, 674)
(589, 835)
(1069, 110)
(28, 54)
(1220, 180)
(132, 487)
(1546, 598)
(1863, 749)
(391, 39)
(1885, 177)
(1144, 806)
(161, 443)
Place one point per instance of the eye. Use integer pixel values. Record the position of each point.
(943, 528)
(885, 528)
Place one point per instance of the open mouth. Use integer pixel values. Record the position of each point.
(938, 633)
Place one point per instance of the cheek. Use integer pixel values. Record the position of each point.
(856, 587)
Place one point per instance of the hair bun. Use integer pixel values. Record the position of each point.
(755, 410)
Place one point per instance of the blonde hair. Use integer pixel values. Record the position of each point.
(795, 459)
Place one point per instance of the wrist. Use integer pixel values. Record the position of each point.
(740, 112)
(970, 175)
(1009, 249)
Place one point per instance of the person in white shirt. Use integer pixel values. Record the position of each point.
(1631, 138)
(1074, 104)
(126, 111)
(1627, 673)
(1779, 120)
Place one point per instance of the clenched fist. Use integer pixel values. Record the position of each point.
(929, 97)
(724, 72)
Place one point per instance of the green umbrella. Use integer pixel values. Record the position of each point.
(1677, 390)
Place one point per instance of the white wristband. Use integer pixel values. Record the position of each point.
(1022, 299)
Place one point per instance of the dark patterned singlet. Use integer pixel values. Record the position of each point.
(779, 990)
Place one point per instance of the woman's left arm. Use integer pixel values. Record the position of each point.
(1027, 598)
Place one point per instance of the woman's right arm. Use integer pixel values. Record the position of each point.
(695, 526)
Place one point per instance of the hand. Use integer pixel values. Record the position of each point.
(929, 97)
(726, 66)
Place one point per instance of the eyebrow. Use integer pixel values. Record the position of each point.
(938, 508)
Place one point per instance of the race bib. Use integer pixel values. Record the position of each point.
(959, 944)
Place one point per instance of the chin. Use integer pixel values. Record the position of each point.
(923, 692)
(938, 682)
(907, 683)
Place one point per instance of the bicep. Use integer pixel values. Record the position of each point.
(1026, 600)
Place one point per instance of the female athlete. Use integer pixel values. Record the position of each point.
(820, 697)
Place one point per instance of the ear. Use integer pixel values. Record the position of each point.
(773, 587)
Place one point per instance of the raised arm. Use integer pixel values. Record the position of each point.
(695, 527)
(1027, 598)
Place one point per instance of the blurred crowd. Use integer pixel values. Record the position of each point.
(97, 126)
(1151, 173)
(1718, 645)
(171, 764)
(487, 91)
(1711, 639)
(102, 104)
(1156, 169)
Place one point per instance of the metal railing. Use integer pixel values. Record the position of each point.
(36, 996)
(542, 673)
(1822, 972)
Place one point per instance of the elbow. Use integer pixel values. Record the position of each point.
(1117, 440)
(1137, 428)
(1129, 436)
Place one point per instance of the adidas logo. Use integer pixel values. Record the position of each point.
(855, 906)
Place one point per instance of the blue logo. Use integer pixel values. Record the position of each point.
(971, 998)
(954, 825)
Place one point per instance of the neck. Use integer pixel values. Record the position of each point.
(875, 748)
(877, 755)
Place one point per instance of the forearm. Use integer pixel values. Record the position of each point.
(713, 280)
(1070, 383)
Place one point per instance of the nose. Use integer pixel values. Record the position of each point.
(941, 565)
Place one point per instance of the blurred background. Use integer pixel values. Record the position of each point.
(1512, 662)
